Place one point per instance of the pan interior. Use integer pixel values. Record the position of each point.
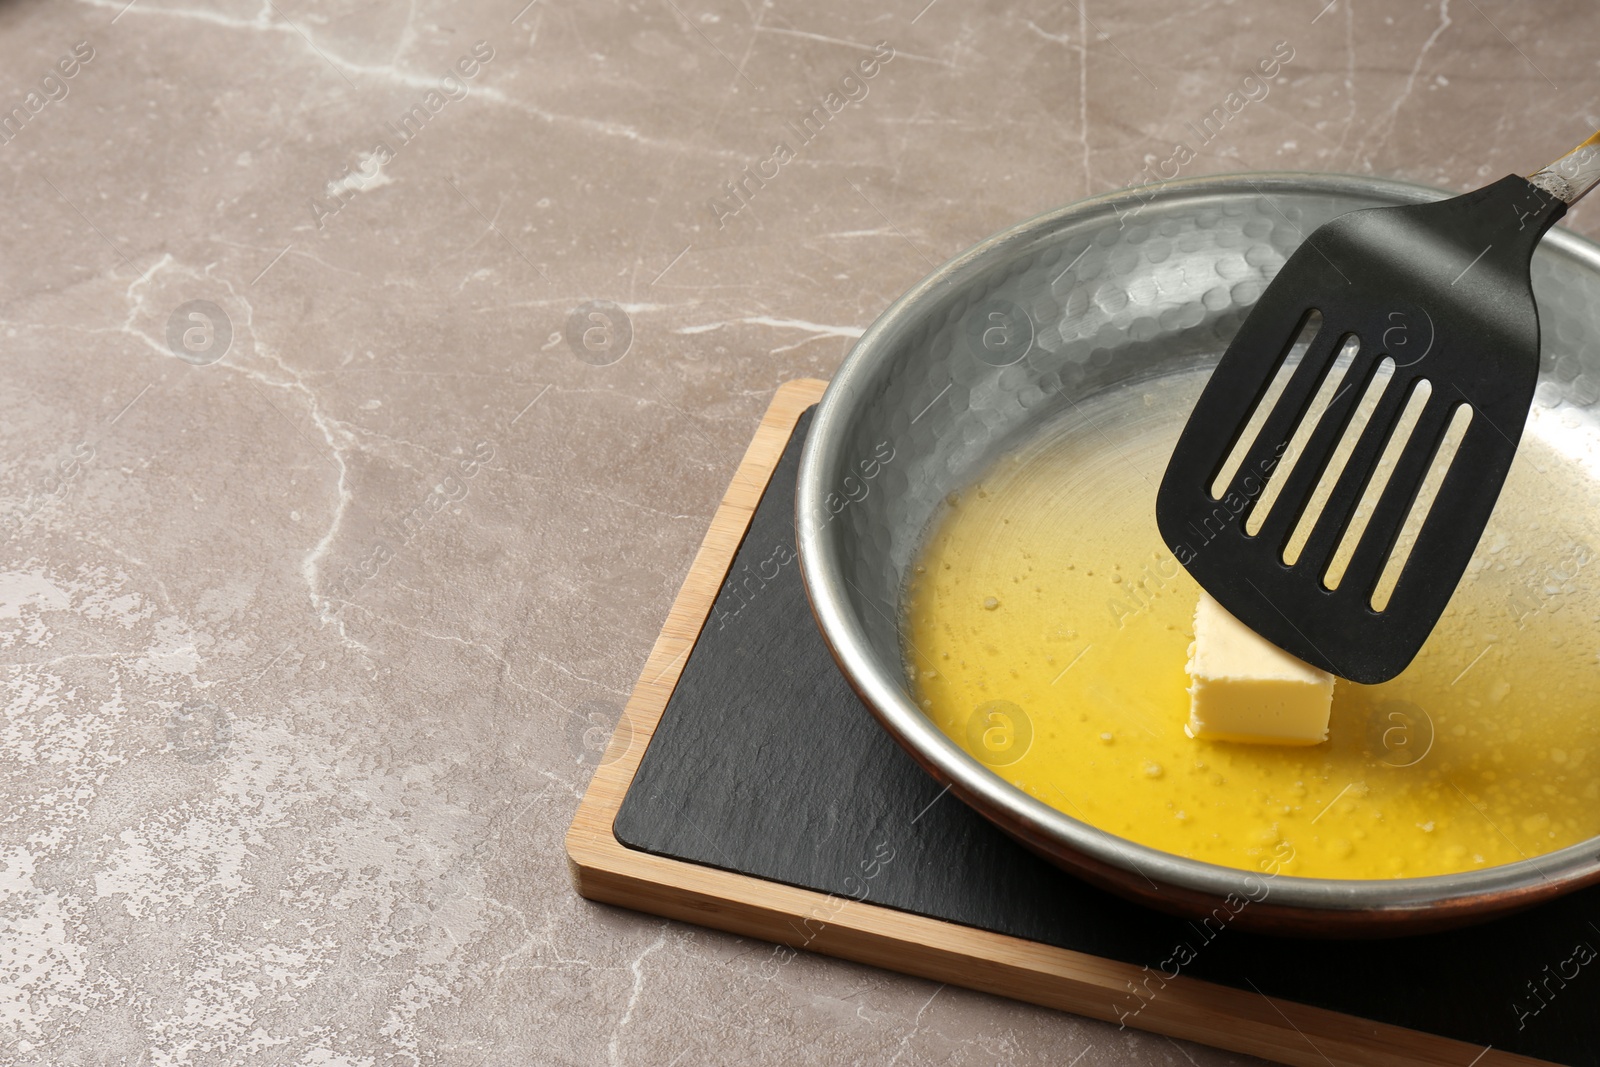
(1046, 628)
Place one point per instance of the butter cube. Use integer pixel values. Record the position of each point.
(1243, 687)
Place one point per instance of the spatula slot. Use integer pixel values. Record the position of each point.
(1377, 481)
(1288, 361)
(1376, 385)
(1438, 467)
(1332, 383)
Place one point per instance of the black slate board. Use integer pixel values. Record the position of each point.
(767, 764)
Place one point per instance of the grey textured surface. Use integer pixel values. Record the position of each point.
(293, 733)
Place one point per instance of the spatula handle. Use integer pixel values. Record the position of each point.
(1574, 174)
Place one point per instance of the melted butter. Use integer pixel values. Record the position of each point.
(1046, 631)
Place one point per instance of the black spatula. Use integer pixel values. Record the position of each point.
(1438, 299)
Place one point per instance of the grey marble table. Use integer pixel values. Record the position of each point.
(372, 371)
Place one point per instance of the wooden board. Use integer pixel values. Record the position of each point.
(604, 869)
